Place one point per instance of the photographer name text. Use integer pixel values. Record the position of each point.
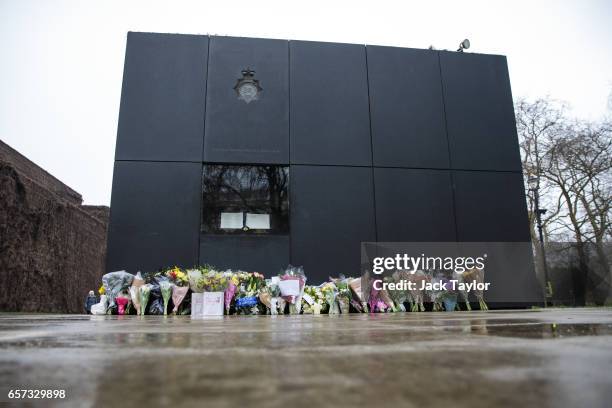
(453, 284)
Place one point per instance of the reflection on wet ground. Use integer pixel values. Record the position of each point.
(551, 330)
(547, 358)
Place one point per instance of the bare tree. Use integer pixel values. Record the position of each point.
(580, 164)
(573, 161)
(539, 123)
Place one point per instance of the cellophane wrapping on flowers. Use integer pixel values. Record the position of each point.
(417, 294)
(156, 302)
(435, 294)
(359, 301)
(166, 291)
(230, 291)
(375, 303)
(178, 296)
(313, 300)
(137, 282)
(476, 275)
(194, 276)
(400, 297)
(144, 290)
(384, 296)
(122, 304)
(344, 294)
(330, 292)
(448, 297)
(179, 287)
(294, 273)
(210, 281)
(269, 295)
(250, 293)
(114, 283)
(247, 294)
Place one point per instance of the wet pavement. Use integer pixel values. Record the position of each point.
(546, 358)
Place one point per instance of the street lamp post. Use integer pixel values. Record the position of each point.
(534, 186)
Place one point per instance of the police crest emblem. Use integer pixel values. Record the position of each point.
(247, 88)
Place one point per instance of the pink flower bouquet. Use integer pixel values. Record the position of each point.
(178, 295)
(292, 293)
(122, 303)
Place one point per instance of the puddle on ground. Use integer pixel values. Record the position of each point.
(549, 330)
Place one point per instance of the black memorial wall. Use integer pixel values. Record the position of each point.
(382, 143)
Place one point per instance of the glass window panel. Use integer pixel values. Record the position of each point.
(245, 199)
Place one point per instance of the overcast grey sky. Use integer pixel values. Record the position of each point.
(62, 61)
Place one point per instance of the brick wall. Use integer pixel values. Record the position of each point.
(52, 249)
(26, 167)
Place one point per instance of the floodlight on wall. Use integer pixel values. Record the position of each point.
(464, 45)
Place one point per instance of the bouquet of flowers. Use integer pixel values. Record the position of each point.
(144, 290)
(194, 276)
(448, 297)
(255, 282)
(123, 302)
(293, 293)
(475, 275)
(101, 307)
(211, 281)
(407, 294)
(250, 285)
(465, 294)
(435, 293)
(344, 293)
(232, 285)
(375, 301)
(358, 300)
(417, 294)
(137, 282)
(277, 303)
(385, 297)
(313, 300)
(115, 282)
(177, 277)
(402, 296)
(179, 286)
(209, 287)
(166, 291)
(269, 295)
(397, 297)
(155, 304)
(330, 292)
